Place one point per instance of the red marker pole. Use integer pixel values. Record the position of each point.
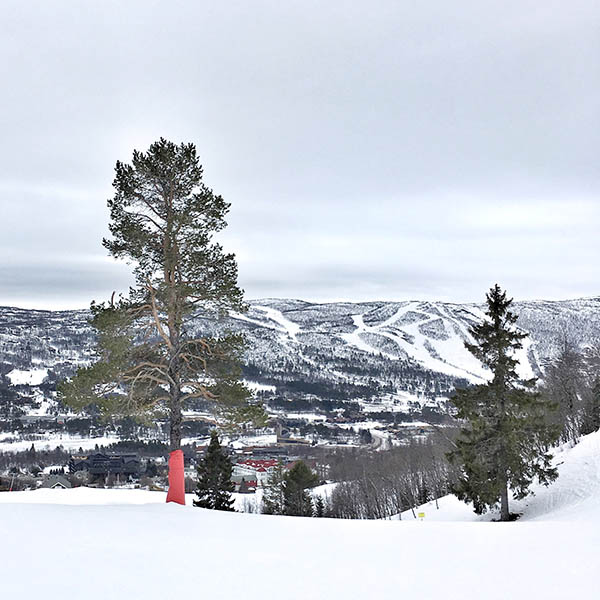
(176, 491)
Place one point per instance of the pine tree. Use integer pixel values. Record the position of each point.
(504, 443)
(214, 478)
(151, 358)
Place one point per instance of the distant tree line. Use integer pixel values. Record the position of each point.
(572, 385)
(379, 485)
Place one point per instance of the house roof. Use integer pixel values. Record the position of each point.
(259, 464)
(53, 481)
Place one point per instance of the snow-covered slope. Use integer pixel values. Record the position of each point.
(431, 334)
(386, 351)
(129, 544)
(574, 496)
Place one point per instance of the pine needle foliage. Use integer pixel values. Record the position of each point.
(504, 443)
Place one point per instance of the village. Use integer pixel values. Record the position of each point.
(252, 467)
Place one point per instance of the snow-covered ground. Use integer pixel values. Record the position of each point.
(27, 377)
(71, 443)
(440, 350)
(574, 496)
(54, 440)
(129, 544)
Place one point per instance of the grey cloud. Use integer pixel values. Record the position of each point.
(435, 144)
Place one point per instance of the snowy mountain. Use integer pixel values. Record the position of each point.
(386, 356)
(127, 536)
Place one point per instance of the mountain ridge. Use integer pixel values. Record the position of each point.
(378, 356)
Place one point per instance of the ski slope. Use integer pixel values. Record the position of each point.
(89, 543)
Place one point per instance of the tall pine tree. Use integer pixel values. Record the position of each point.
(504, 442)
(214, 478)
(152, 357)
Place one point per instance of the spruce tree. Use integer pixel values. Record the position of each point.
(273, 496)
(296, 500)
(152, 357)
(319, 507)
(214, 478)
(505, 439)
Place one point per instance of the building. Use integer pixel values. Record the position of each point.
(102, 464)
(244, 484)
(56, 482)
(255, 470)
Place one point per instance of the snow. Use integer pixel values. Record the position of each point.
(51, 468)
(130, 544)
(574, 496)
(399, 402)
(45, 405)
(268, 439)
(275, 320)
(307, 416)
(29, 377)
(246, 503)
(451, 357)
(324, 491)
(259, 387)
(355, 340)
(443, 353)
(53, 441)
(291, 329)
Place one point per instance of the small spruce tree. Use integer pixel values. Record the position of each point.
(273, 497)
(319, 507)
(214, 478)
(296, 499)
(505, 440)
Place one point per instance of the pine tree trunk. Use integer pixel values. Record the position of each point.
(176, 462)
(176, 491)
(504, 512)
(175, 419)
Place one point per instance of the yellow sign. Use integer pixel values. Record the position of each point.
(421, 515)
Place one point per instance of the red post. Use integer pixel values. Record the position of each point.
(176, 491)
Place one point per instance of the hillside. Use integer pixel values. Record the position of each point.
(378, 360)
(574, 496)
(128, 544)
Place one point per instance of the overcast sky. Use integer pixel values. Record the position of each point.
(370, 150)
